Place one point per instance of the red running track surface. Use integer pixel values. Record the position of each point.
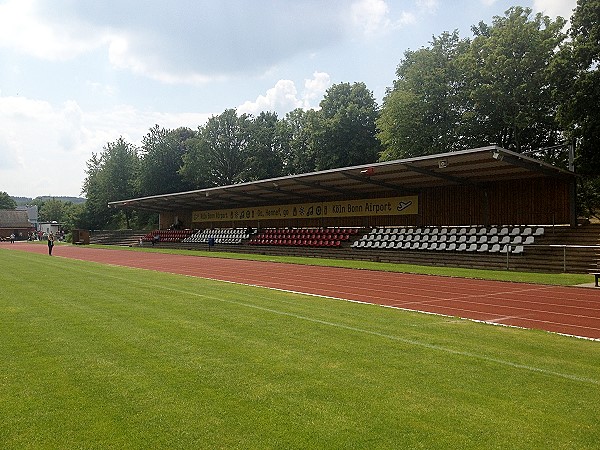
(568, 310)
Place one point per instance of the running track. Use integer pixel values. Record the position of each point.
(567, 310)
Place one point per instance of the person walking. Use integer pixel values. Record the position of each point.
(12, 238)
(50, 243)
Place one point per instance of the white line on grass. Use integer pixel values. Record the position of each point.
(355, 329)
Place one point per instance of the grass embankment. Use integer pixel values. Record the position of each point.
(99, 356)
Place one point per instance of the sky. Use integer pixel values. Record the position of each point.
(78, 74)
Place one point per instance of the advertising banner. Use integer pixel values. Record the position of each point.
(388, 206)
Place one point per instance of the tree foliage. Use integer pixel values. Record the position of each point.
(218, 154)
(264, 155)
(111, 176)
(299, 132)
(577, 67)
(348, 132)
(509, 79)
(425, 112)
(161, 158)
(67, 213)
(6, 201)
(493, 89)
(52, 210)
(578, 64)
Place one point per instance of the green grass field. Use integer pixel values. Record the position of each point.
(98, 356)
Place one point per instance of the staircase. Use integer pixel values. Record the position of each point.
(126, 238)
(573, 248)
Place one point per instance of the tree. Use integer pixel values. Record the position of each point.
(52, 210)
(348, 113)
(508, 69)
(577, 72)
(72, 215)
(96, 214)
(264, 148)
(111, 176)
(578, 66)
(69, 214)
(299, 133)
(494, 89)
(6, 201)
(424, 113)
(218, 154)
(162, 155)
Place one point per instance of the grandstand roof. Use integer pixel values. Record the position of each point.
(399, 177)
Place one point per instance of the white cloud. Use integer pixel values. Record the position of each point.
(315, 88)
(372, 17)
(280, 98)
(283, 97)
(553, 8)
(25, 28)
(22, 28)
(44, 148)
(429, 6)
(102, 89)
(195, 43)
(123, 56)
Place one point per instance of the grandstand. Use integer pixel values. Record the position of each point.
(486, 207)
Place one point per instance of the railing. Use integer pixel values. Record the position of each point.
(564, 247)
(564, 252)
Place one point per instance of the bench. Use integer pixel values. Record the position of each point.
(596, 277)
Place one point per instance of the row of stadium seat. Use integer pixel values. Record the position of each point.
(441, 246)
(321, 231)
(297, 242)
(459, 239)
(459, 231)
(167, 235)
(221, 235)
(469, 239)
(304, 237)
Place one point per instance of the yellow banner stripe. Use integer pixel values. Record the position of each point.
(387, 206)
